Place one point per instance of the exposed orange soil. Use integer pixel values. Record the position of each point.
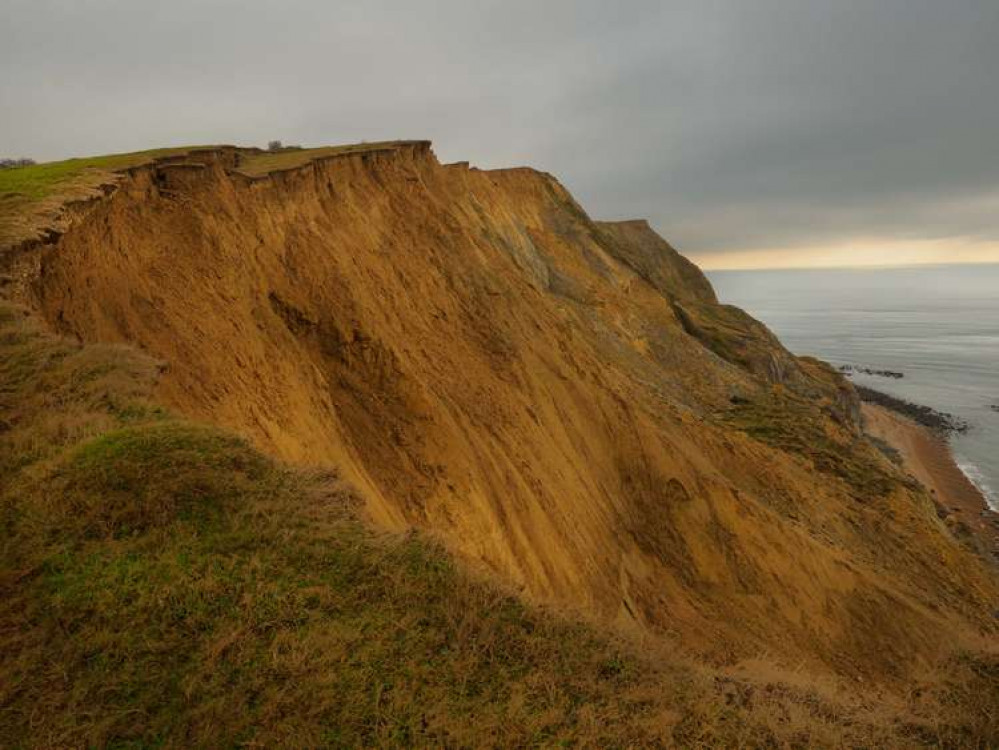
(546, 392)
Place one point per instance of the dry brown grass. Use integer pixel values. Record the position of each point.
(164, 585)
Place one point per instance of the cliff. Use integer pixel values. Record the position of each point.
(563, 401)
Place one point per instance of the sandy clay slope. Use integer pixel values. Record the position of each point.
(562, 400)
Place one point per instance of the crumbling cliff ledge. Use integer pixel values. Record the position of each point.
(939, 422)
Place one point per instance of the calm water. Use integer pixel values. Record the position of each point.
(939, 325)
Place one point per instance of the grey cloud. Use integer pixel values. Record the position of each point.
(728, 124)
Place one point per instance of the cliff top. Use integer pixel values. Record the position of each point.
(33, 197)
(256, 163)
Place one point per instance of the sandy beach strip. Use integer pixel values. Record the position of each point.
(928, 458)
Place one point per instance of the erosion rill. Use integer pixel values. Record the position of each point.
(562, 400)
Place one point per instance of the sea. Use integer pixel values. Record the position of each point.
(937, 325)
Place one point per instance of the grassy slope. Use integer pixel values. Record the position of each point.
(162, 584)
(41, 180)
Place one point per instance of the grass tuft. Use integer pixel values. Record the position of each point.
(131, 479)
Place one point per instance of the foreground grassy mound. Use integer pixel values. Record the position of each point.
(163, 584)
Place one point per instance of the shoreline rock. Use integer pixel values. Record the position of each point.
(850, 369)
(938, 421)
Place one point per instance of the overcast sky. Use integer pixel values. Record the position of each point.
(770, 132)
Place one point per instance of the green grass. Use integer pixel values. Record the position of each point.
(41, 180)
(302, 630)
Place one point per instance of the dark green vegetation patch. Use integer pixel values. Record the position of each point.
(791, 424)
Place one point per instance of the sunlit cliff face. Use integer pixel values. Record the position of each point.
(562, 401)
(862, 252)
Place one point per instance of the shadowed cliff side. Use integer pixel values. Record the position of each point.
(562, 400)
(636, 245)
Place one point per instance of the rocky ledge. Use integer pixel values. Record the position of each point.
(851, 369)
(938, 421)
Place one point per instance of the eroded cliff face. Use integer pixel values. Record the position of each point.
(564, 401)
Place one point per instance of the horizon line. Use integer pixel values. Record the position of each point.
(846, 267)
